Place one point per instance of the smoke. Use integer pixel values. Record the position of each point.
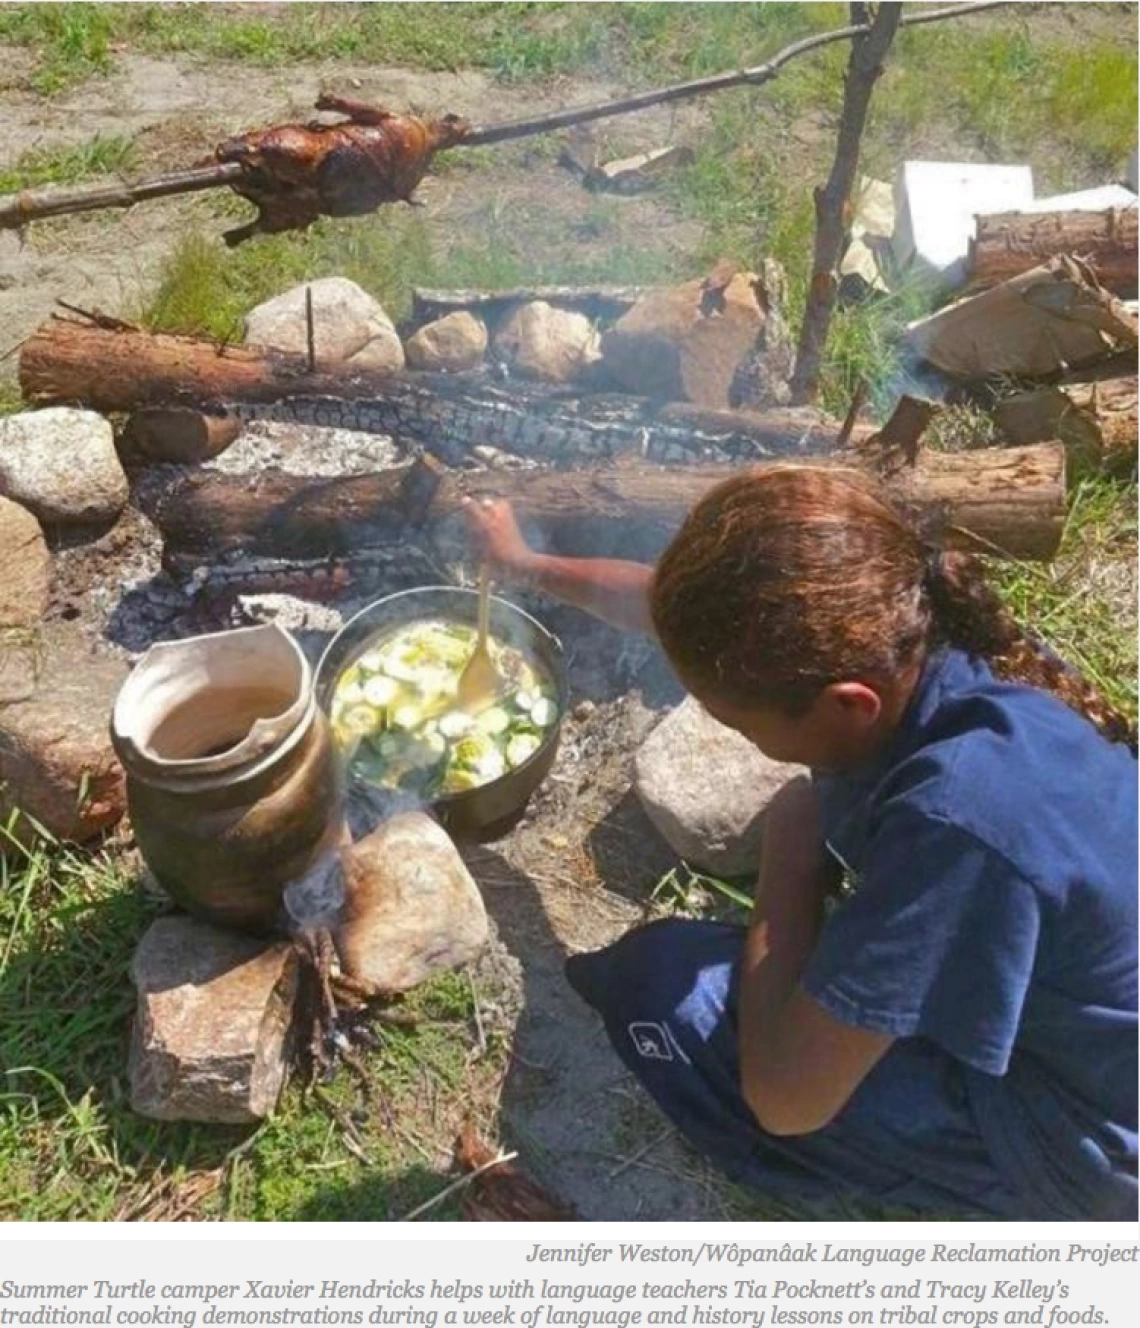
(369, 806)
(910, 376)
(317, 898)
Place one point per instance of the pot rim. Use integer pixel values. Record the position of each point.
(324, 683)
(194, 773)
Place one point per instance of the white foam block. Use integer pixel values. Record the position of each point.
(1084, 200)
(935, 206)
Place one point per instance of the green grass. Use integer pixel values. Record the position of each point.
(101, 155)
(206, 289)
(1083, 604)
(71, 1148)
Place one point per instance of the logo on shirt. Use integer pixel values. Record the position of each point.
(850, 879)
(655, 1042)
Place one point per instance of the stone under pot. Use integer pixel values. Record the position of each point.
(234, 786)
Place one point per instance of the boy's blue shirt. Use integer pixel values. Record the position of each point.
(993, 849)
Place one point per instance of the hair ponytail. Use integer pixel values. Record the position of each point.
(966, 612)
(784, 580)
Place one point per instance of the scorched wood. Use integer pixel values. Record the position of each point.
(1009, 243)
(117, 369)
(1001, 501)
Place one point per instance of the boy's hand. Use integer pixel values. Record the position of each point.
(496, 534)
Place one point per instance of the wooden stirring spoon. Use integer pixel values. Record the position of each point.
(480, 682)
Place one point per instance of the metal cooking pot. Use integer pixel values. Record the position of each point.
(490, 810)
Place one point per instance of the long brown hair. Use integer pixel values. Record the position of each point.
(784, 580)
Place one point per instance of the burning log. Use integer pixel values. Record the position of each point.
(1009, 243)
(123, 369)
(1005, 501)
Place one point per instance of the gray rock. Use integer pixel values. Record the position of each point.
(705, 788)
(211, 1036)
(411, 907)
(62, 465)
(544, 342)
(350, 328)
(56, 761)
(453, 343)
(27, 567)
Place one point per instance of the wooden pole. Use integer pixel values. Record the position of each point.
(833, 201)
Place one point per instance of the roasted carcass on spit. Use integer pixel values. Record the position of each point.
(296, 173)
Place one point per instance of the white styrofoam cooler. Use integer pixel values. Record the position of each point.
(1085, 200)
(935, 206)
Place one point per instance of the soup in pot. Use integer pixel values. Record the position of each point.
(396, 717)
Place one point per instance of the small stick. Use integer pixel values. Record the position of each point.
(459, 1184)
(858, 397)
(106, 321)
(478, 1016)
(635, 1158)
(350, 1135)
(310, 334)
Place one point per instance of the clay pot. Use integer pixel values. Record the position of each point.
(233, 783)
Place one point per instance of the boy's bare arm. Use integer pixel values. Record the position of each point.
(611, 589)
(798, 1064)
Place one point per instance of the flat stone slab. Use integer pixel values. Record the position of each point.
(212, 1027)
(411, 907)
(705, 789)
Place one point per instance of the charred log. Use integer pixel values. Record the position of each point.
(1010, 502)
